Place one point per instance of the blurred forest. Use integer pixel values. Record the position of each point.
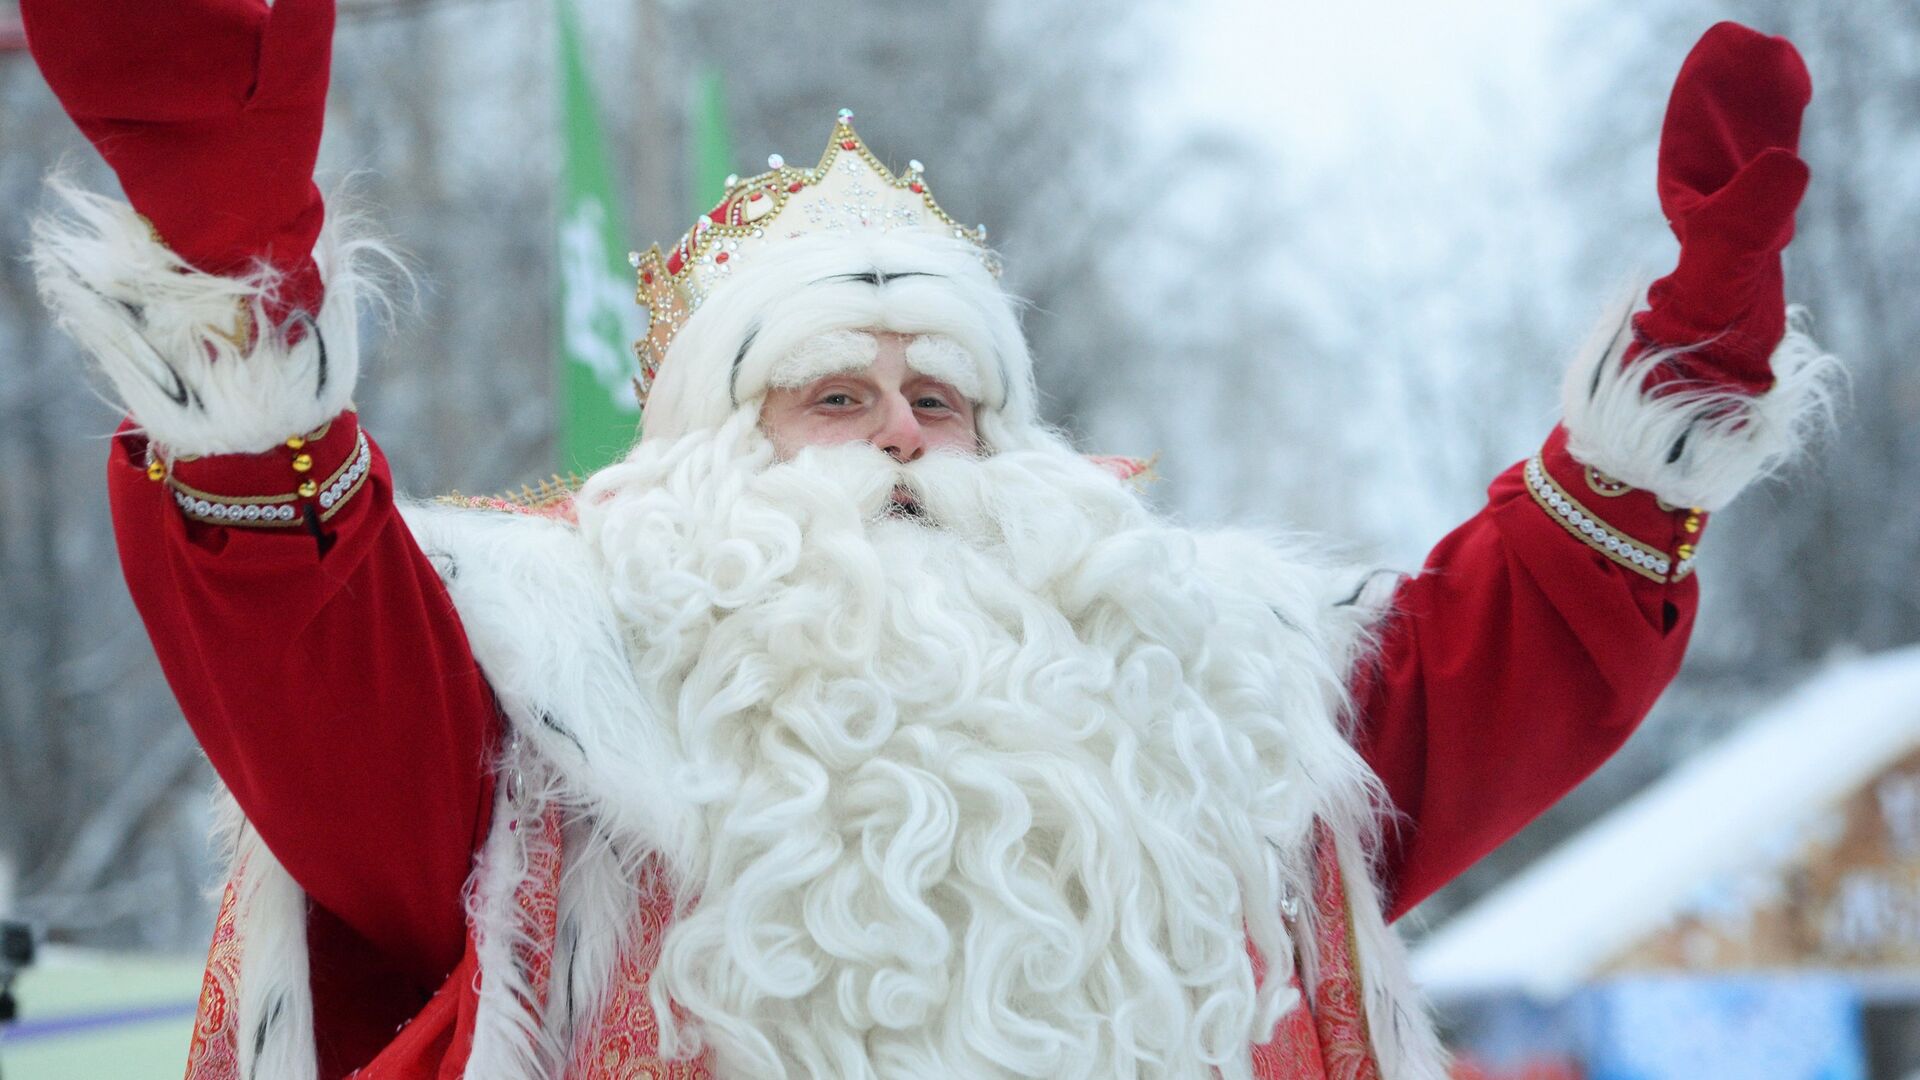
(1353, 350)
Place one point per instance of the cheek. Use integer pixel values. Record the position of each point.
(791, 431)
(957, 435)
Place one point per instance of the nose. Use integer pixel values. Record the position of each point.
(900, 434)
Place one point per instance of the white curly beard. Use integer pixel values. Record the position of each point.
(1007, 787)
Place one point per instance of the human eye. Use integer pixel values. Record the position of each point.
(935, 397)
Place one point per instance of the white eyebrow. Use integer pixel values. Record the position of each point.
(938, 356)
(821, 355)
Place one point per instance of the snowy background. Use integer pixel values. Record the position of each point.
(1326, 263)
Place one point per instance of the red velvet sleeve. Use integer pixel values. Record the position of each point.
(324, 670)
(1528, 649)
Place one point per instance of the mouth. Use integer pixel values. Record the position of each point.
(903, 503)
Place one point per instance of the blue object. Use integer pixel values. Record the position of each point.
(1757, 1027)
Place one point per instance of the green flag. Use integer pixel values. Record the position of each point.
(599, 320)
(712, 145)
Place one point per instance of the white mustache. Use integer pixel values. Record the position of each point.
(1031, 508)
(938, 490)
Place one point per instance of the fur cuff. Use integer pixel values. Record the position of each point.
(178, 344)
(1700, 445)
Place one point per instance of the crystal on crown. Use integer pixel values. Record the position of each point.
(849, 189)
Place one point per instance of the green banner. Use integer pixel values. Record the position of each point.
(712, 144)
(599, 320)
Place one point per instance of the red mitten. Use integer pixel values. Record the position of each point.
(1730, 180)
(210, 112)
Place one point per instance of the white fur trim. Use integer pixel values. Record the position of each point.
(1404, 1039)
(510, 1039)
(1334, 611)
(599, 891)
(831, 353)
(1694, 447)
(172, 340)
(539, 618)
(722, 359)
(275, 1011)
(938, 356)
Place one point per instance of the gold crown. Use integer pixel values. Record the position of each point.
(849, 189)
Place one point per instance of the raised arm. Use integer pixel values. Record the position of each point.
(1542, 630)
(310, 644)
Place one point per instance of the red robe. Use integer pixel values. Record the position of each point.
(324, 670)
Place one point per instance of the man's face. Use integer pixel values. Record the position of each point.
(901, 411)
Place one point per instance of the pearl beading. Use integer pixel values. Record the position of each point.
(1597, 534)
(347, 482)
(277, 511)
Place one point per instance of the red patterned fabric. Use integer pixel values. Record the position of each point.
(1325, 1038)
(1339, 1001)
(537, 898)
(623, 1040)
(1294, 1051)
(214, 1053)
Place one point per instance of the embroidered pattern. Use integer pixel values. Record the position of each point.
(551, 498)
(1339, 999)
(1139, 471)
(623, 1042)
(1327, 1037)
(1294, 1051)
(277, 511)
(537, 899)
(215, 1051)
(1597, 534)
(1605, 485)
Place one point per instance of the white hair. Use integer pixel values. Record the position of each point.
(1008, 788)
(905, 280)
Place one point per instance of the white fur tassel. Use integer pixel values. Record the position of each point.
(1694, 447)
(174, 342)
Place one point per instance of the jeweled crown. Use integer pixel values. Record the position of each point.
(849, 189)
